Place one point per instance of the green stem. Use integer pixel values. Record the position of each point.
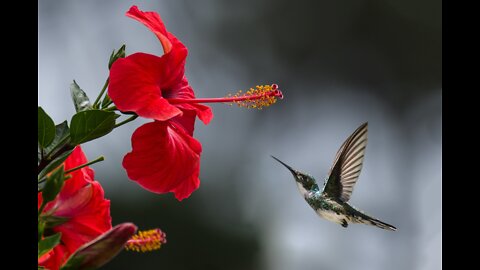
(95, 104)
(126, 121)
(100, 158)
(111, 109)
(108, 104)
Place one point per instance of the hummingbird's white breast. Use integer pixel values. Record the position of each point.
(332, 216)
(324, 213)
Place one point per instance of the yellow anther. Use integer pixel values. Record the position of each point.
(258, 98)
(145, 241)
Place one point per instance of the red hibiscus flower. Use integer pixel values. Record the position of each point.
(165, 157)
(81, 202)
(142, 83)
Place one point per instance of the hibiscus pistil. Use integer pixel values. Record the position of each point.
(258, 98)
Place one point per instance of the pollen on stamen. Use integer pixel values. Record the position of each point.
(145, 241)
(257, 98)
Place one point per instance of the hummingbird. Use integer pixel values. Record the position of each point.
(332, 202)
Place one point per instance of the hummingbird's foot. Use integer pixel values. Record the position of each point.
(344, 223)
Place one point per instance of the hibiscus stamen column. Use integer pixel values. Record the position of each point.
(261, 96)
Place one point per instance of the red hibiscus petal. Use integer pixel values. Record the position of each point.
(153, 21)
(204, 113)
(164, 158)
(137, 82)
(186, 121)
(88, 220)
(69, 206)
(55, 258)
(188, 186)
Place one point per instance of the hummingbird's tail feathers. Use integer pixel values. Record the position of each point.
(380, 224)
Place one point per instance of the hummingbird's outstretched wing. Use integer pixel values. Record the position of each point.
(347, 165)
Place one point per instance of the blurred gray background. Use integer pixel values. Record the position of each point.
(339, 63)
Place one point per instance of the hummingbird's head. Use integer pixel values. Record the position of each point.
(303, 179)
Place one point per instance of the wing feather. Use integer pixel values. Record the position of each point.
(347, 165)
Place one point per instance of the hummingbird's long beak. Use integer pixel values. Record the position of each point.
(288, 167)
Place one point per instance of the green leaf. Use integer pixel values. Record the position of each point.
(92, 124)
(48, 243)
(114, 56)
(54, 163)
(46, 128)
(61, 133)
(41, 227)
(80, 99)
(53, 185)
(53, 221)
(54, 154)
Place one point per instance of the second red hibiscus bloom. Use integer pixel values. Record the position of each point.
(82, 205)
